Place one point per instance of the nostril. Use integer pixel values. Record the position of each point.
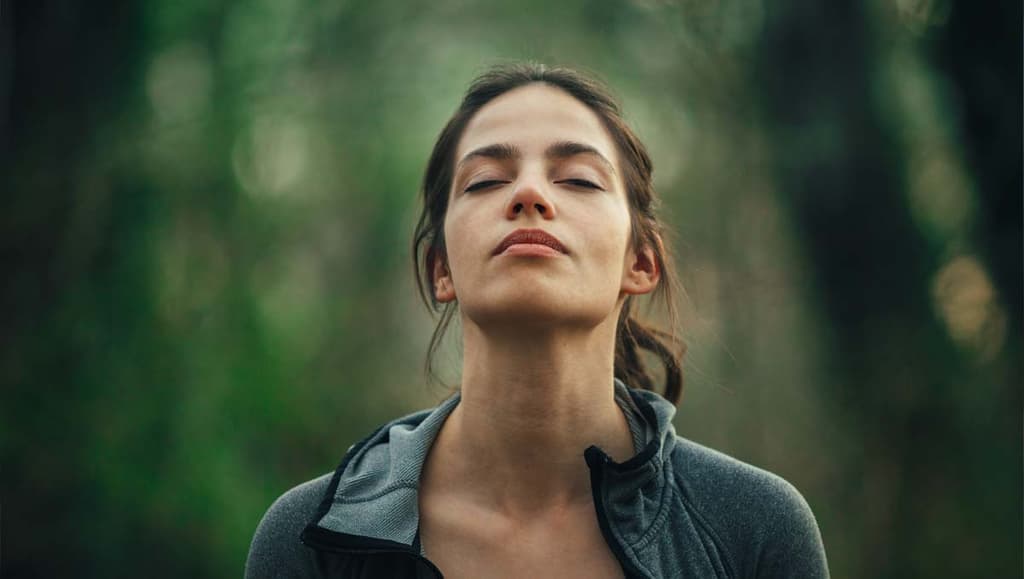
(517, 208)
(540, 208)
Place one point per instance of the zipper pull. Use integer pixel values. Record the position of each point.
(595, 457)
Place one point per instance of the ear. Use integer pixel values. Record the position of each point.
(444, 289)
(641, 273)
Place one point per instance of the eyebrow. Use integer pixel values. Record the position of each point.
(559, 150)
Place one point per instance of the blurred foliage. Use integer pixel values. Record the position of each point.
(208, 291)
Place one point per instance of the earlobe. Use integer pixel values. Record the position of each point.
(642, 273)
(444, 289)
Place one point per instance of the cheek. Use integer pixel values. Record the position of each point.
(452, 244)
(607, 243)
(458, 241)
(610, 232)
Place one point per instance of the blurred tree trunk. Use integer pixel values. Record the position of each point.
(913, 493)
(66, 68)
(987, 77)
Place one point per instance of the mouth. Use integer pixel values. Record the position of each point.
(530, 237)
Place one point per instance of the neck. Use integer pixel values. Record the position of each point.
(531, 404)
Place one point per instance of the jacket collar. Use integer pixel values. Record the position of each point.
(373, 495)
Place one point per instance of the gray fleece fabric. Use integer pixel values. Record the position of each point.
(676, 509)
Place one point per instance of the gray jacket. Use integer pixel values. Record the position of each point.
(676, 509)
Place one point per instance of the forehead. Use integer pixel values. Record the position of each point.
(532, 117)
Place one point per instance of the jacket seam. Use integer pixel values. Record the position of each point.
(388, 489)
(332, 488)
(659, 518)
(639, 562)
(698, 516)
(631, 552)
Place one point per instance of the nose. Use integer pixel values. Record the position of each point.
(529, 198)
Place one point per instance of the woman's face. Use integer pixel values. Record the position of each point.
(536, 161)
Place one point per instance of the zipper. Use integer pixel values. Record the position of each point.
(325, 540)
(597, 461)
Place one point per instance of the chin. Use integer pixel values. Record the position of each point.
(537, 310)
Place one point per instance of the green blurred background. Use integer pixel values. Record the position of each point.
(208, 291)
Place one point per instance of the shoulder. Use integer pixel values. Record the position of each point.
(760, 518)
(714, 479)
(276, 550)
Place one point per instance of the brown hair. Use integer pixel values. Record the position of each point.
(647, 231)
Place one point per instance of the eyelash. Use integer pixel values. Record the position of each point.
(491, 182)
(582, 183)
(483, 185)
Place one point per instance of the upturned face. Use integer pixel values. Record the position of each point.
(538, 222)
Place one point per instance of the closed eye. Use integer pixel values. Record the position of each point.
(484, 185)
(582, 183)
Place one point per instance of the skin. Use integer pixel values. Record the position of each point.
(505, 490)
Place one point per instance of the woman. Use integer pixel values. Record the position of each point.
(538, 223)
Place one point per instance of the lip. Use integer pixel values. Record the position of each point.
(528, 237)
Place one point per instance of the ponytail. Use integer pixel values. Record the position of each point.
(633, 335)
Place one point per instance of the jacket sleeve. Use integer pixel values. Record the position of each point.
(276, 550)
(790, 542)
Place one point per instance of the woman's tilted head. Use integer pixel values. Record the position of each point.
(539, 209)
(536, 166)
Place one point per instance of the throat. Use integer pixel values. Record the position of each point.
(524, 464)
